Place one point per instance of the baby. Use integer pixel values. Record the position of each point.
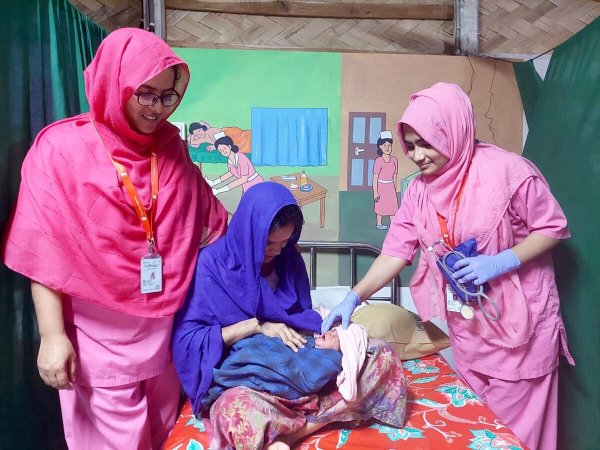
(329, 339)
(352, 342)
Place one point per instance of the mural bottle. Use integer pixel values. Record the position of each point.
(303, 179)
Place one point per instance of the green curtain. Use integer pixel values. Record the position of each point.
(530, 82)
(564, 131)
(45, 45)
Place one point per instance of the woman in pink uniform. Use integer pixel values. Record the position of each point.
(240, 167)
(385, 172)
(107, 276)
(474, 190)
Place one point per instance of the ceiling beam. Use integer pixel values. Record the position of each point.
(292, 8)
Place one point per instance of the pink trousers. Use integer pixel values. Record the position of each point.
(528, 407)
(136, 416)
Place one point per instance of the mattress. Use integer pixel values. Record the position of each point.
(442, 412)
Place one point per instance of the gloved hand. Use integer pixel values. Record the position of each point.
(212, 183)
(482, 268)
(344, 309)
(217, 191)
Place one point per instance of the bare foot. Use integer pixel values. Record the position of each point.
(278, 445)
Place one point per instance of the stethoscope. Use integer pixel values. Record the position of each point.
(466, 310)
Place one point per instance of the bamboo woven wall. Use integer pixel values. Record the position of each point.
(507, 27)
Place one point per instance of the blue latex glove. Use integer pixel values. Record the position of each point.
(482, 268)
(344, 309)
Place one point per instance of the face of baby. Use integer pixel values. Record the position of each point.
(329, 340)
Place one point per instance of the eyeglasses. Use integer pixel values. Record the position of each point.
(149, 99)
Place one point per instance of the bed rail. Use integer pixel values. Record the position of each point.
(354, 249)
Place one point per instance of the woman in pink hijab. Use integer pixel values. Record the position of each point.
(471, 190)
(110, 216)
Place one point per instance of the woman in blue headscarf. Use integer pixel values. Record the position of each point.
(253, 281)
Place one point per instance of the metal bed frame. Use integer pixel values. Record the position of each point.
(354, 249)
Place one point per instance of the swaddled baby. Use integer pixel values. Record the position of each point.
(352, 342)
(267, 364)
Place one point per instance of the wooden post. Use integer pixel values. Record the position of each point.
(160, 23)
(466, 26)
(146, 13)
(154, 17)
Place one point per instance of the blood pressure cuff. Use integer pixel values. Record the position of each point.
(468, 249)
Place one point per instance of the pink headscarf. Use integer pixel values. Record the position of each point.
(443, 116)
(74, 228)
(353, 344)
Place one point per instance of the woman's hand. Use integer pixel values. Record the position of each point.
(57, 361)
(56, 358)
(375, 196)
(289, 336)
(342, 310)
(482, 268)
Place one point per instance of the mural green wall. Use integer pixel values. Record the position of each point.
(226, 84)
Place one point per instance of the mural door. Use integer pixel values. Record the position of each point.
(363, 130)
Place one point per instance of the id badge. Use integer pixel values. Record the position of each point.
(453, 304)
(151, 273)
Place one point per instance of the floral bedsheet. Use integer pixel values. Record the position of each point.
(442, 412)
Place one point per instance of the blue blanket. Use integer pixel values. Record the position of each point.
(266, 364)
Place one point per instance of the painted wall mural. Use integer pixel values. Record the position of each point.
(323, 124)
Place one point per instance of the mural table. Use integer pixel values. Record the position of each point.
(318, 192)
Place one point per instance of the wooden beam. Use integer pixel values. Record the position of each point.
(466, 32)
(292, 8)
(154, 17)
(160, 23)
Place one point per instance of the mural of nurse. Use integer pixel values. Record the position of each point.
(238, 165)
(385, 173)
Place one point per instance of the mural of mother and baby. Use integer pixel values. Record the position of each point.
(202, 136)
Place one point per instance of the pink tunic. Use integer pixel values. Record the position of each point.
(75, 229)
(114, 348)
(532, 209)
(125, 389)
(244, 167)
(386, 187)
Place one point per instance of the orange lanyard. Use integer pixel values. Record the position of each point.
(446, 236)
(146, 216)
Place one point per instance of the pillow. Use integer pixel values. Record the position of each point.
(404, 330)
(328, 297)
